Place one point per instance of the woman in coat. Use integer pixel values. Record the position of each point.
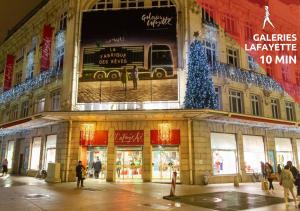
(270, 175)
(287, 181)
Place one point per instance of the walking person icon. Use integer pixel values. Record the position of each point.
(267, 17)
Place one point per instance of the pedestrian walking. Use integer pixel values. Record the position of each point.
(293, 169)
(134, 76)
(279, 171)
(124, 79)
(97, 168)
(4, 167)
(297, 183)
(118, 164)
(287, 181)
(270, 175)
(263, 169)
(80, 174)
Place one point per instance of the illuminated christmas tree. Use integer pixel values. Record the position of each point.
(200, 92)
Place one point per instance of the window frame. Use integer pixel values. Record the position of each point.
(218, 91)
(25, 109)
(210, 50)
(290, 111)
(238, 100)
(55, 100)
(234, 54)
(275, 105)
(256, 109)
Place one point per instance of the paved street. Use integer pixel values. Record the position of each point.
(113, 91)
(24, 193)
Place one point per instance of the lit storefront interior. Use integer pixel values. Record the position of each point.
(93, 146)
(129, 163)
(284, 151)
(224, 153)
(50, 151)
(35, 153)
(10, 153)
(93, 153)
(254, 153)
(165, 153)
(165, 162)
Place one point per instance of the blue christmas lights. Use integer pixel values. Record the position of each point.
(200, 92)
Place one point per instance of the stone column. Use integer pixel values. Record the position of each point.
(202, 159)
(147, 157)
(295, 150)
(240, 153)
(110, 177)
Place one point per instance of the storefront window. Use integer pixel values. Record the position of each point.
(284, 151)
(253, 153)
(10, 153)
(35, 153)
(224, 153)
(50, 150)
(129, 163)
(165, 160)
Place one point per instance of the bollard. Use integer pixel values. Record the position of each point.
(173, 184)
(236, 181)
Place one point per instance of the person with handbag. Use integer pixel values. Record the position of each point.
(270, 175)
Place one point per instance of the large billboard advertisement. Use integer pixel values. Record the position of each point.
(128, 56)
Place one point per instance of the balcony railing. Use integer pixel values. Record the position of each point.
(30, 84)
(247, 77)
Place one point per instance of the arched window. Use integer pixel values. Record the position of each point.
(131, 3)
(162, 3)
(108, 4)
(103, 4)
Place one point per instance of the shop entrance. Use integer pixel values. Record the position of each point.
(129, 163)
(165, 160)
(92, 154)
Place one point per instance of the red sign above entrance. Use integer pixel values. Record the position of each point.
(173, 138)
(99, 138)
(129, 137)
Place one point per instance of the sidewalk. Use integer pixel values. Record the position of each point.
(25, 193)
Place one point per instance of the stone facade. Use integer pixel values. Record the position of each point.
(195, 134)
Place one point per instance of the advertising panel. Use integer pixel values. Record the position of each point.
(9, 68)
(46, 48)
(128, 56)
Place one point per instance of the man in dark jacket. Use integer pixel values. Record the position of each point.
(97, 168)
(79, 169)
(293, 169)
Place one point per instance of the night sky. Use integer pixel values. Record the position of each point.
(11, 11)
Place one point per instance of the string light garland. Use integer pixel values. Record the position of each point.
(30, 84)
(222, 70)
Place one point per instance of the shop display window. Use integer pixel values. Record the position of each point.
(50, 150)
(165, 160)
(298, 150)
(35, 153)
(284, 151)
(10, 153)
(224, 153)
(253, 153)
(129, 164)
